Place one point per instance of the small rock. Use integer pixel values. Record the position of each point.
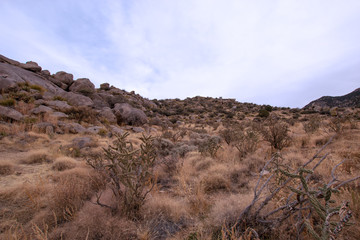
(43, 127)
(138, 129)
(94, 130)
(41, 109)
(82, 142)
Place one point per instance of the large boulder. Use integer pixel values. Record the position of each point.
(108, 114)
(58, 105)
(31, 66)
(10, 113)
(83, 86)
(127, 114)
(41, 109)
(64, 77)
(76, 99)
(11, 75)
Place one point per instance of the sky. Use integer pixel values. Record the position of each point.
(279, 52)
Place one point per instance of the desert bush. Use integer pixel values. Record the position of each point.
(215, 182)
(276, 133)
(336, 124)
(247, 142)
(210, 146)
(129, 173)
(263, 113)
(163, 146)
(6, 168)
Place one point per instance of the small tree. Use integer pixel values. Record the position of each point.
(128, 172)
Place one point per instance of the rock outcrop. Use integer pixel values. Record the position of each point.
(125, 113)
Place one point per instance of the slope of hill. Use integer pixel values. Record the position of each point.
(349, 100)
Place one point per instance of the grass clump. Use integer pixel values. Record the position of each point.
(37, 158)
(6, 168)
(8, 102)
(63, 163)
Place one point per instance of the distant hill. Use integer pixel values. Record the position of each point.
(349, 100)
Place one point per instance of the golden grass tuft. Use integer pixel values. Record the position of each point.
(6, 168)
(63, 163)
(39, 157)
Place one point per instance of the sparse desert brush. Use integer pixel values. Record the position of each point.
(6, 168)
(82, 114)
(247, 142)
(63, 163)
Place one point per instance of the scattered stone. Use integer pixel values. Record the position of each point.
(10, 113)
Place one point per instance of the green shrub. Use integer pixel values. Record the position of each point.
(263, 113)
(8, 102)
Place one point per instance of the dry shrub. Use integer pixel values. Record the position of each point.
(312, 125)
(37, 158)
(214, 182)
(276, 133)
(6, 168)
(95, 222)
(203, 164)
(63, 163)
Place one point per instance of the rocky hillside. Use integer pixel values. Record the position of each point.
(349, 100)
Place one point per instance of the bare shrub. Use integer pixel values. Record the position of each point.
(128, 171)
(214, 182)
(276, 133)
(247, 142)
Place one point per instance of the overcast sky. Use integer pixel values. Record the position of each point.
(283, 53)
